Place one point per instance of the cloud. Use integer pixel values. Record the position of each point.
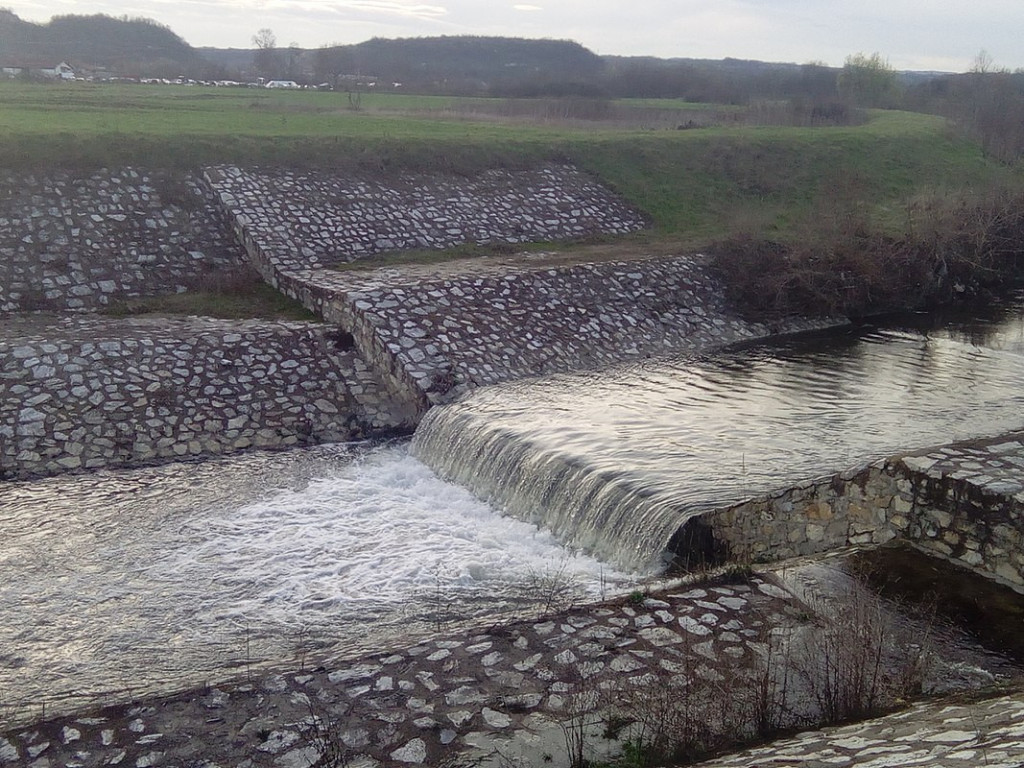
(527, 8)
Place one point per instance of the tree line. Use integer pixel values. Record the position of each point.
(987, 102)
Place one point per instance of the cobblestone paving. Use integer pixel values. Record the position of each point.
(71, 241)
(446, 329)
(478, 694)
(986, 733)
(318, 219)
(411, 706)
(85, 392)
(994, 466)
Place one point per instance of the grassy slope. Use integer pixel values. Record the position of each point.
(696, 185)
(703, 184)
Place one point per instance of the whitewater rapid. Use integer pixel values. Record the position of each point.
(149, 580)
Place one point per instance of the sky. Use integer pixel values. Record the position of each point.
(942, 35)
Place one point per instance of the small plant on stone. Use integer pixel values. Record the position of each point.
(322, 731)
(636, 597)
(552, 590)
(579, 718)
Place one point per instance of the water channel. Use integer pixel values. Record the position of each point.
(123, 583)
(614, 462)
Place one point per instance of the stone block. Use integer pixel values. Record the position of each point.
(818, 510)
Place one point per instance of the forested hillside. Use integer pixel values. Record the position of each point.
(125, 46)
(492, 65)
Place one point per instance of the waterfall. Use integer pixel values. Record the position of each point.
(616, 463)
(613, 515)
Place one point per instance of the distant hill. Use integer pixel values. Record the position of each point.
(455, 65)
(123, 46)
(463, 64)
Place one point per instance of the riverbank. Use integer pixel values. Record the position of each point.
(86, 393)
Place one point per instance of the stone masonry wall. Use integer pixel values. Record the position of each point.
(816, 516)
(440, 330)
(428, 333)
(311, 220)
(968, 506)
(963, 503)
(84, 393)
(325, 219)
(454, 332)
(79, 241)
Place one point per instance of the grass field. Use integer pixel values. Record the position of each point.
(695, 185)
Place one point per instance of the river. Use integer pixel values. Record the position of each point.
(128, 582)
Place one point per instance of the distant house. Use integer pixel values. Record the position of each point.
(62, 71)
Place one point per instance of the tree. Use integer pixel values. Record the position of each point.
(868, 81)
(982, 63)
(265, 39)
(267, 58)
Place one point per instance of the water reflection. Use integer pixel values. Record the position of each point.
(679, 436)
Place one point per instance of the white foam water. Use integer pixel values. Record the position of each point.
(145, 581)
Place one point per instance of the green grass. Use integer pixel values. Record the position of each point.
(704, 183)
(695, 185)
(235, 302)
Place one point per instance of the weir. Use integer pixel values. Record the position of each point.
(617, 463)
(610, 514)
(339, 553)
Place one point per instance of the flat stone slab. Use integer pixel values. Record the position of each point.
(936, 734)
(994, 466)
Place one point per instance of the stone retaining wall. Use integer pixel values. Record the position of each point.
(455, 332)
(817, 516)
(78, 242)
(968, 506)
(437, 331)
(963, 503)
(325, 220)
(310, 220)
(82, 394)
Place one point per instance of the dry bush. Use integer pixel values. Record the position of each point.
(846, 656)
(857, 661)
(838, 264)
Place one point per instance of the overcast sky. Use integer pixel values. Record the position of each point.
(912, 34)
